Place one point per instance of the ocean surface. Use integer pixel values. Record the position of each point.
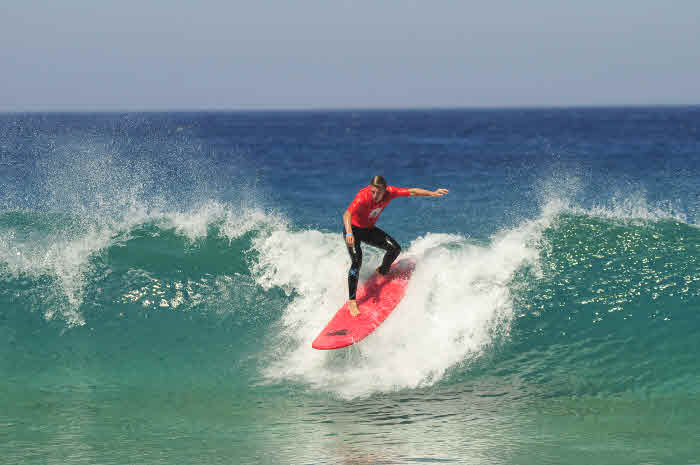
(162, 276)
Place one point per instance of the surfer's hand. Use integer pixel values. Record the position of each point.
(440, 192)
(350, 240)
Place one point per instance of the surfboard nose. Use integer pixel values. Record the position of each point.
(333, 340)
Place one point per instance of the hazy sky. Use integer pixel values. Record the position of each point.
(80, 54)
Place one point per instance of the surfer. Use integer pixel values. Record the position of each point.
(359, 220)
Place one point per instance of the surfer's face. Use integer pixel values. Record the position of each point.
(377, 193)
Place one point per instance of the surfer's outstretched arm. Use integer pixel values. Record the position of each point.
(417, 191)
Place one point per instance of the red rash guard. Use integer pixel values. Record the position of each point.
(365, 211)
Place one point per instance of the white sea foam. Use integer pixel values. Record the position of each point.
(103, 196)
(233, 222)
(563, 192)
(457, 303)
(65, 253)
(62, 255)
(636, 207)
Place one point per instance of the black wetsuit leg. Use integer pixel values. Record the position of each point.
(378, 238)
(356, 257)
(374, 237)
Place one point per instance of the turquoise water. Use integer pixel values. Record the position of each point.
(163, 275)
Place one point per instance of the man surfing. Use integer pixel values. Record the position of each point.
(359, 220)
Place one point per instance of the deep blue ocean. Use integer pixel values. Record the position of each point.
(162, 276)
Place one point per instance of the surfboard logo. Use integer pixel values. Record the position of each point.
(340, 332)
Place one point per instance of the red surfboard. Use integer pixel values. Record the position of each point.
(376, 302)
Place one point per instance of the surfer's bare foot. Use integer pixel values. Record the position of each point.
(354, 309)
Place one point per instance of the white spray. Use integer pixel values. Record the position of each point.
(457, 302)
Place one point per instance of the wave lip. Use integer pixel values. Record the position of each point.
(64, 255)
